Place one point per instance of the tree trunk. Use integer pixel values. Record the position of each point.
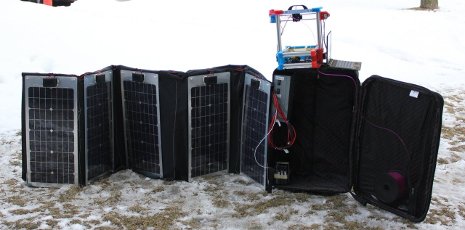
(429, 4)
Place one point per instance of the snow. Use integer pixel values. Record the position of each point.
(387, 36)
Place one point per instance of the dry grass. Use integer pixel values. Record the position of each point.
(70, 194)
(28, 223)
(252, 209)
(138, 209)
(115, 197)
(442, 213)
(462, 210)
(163, 220)
(20, 211)
(17, 200)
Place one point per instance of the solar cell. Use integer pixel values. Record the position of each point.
(209, 98)
(51, 130)
(98, 104)
(142, 122)
(254, 129)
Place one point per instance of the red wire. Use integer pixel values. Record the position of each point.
(291, 133)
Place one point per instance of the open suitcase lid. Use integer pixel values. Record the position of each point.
(397, 135)
(394, 138)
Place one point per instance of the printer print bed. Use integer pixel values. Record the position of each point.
(127, 199)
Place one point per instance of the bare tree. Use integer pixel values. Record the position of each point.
(429, 4)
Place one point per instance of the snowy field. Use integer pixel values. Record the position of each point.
(388, 36)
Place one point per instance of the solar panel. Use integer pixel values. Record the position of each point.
(208, 123)
(254, 129)
(51, 130)
(98, 104)
(142, 122)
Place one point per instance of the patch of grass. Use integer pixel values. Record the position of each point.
(454, 158)
(339, 210)
(71, 209)
(70, 194)
(93, 222)
(442, 161)
(105, 228)
(459, 148)
(115, 197)
(68, 211)
(57, 213)
(243, 182)
(302, 197)
(352, 225)
(11, 182)
(450, 133)
(462, 210)
(304, 227)
(240, 193)
(337, 216)
(255, 226)
(442, 213)
(15, 162)
(219, 201)
(162, 220)
(318, 207)
(20, 211)
(212, 178)
(260, 207)
(193, 223)
(53, 224)
(28, 223)
(80, 222)
(447, 132)
(84, 215)
(283, 216)
(274, 202)
(335, 202)
(17, 200)
(457, 181)
(253, 196)
(137, 208)
(211, 188)
(158, 189)
(168, 182)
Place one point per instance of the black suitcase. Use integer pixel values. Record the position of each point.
(378, 141)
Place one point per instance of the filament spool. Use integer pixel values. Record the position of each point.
(390, 187)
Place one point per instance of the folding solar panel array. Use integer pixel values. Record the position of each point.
(80, 128)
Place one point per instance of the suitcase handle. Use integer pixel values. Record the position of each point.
(291, 7)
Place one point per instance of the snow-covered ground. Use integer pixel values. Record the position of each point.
(390, 38)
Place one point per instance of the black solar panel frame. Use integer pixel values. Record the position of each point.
(62, 82)
(89, 81)
(248, 151)
(151, 79)
(200, 81)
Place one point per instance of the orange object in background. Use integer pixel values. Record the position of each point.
(48, 2)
